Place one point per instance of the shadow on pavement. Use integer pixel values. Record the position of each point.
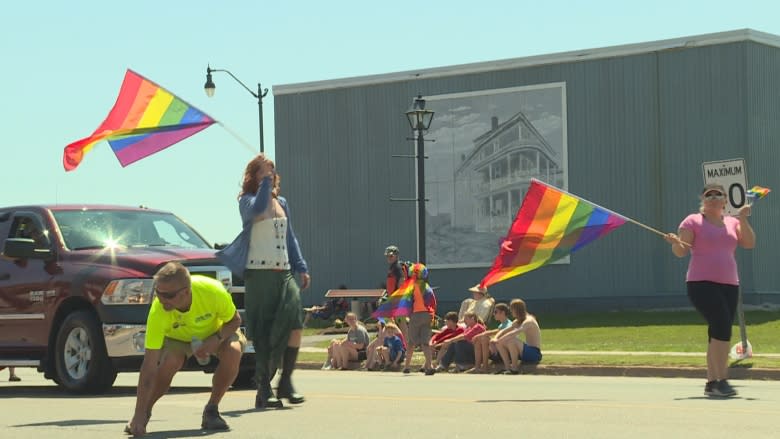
(182, 433)
(71, 423)
(56, 392)
(533, 400)
(714, 398)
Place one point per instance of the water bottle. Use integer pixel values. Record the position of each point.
(195, 345)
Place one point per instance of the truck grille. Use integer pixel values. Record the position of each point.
(216, 272)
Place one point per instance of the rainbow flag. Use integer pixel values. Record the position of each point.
(399, 303)
(550, 224)
(757, 192)
(146, 119)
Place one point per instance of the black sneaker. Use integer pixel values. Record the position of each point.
(723, 389)
(212, 420)
(708, 388)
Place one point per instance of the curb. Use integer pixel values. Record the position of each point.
(735, 373)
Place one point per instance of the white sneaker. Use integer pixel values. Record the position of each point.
(327, 366)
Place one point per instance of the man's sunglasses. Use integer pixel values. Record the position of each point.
(168, 295)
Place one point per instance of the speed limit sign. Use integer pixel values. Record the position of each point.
(732, 175)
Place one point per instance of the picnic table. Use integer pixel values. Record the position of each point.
(357, 299)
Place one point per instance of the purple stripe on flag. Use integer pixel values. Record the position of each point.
(154, 143)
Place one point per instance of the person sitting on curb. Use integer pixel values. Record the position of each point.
(451, 329)
(393, 349)
(351, 348)
(508, 344)
(461, 347)
(482, 353)
(372, 360)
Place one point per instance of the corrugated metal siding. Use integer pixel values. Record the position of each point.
(763, 156)
(639, 128)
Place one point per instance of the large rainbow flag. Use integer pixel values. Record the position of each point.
(550, 224)
(146, 118)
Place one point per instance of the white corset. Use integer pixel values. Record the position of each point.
(268, 245)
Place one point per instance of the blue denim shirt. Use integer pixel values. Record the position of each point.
(236, 254)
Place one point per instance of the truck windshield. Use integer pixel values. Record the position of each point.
(87, 229)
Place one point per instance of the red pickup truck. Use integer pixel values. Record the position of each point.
(76, 285)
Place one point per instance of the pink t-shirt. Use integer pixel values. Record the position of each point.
(712, 254)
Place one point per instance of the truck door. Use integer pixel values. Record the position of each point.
(26, 286)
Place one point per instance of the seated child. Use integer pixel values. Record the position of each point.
(451, 329)
(393, 349)
(372, 357)
(484, 352)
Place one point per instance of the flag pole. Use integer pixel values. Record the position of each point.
(644, 226)
(235, 135)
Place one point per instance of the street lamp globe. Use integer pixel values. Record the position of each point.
(419, 118)
(209, 87)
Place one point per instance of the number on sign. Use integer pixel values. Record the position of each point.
(736, 192)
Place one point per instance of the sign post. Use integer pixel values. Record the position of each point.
(732, 175)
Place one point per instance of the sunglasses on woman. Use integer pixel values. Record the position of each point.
(714, 195)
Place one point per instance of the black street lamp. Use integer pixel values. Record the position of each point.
(210, 88)
(420, 120)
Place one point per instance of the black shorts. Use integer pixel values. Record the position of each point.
(717, 303)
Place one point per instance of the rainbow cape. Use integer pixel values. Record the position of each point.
(146, 118)
(401, 301)
(550, 224)
(397, 304)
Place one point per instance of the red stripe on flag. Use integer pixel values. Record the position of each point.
(537, 221)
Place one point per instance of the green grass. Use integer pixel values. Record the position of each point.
(667, 331)
(662, 331)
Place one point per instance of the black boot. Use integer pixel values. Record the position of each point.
(285, 388)
(265, 398)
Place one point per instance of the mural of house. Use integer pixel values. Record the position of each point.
(497, 173)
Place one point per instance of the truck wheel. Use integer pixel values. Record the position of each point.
(81, 362)
(245, 379)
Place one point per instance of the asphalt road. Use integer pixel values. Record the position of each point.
(373, 405)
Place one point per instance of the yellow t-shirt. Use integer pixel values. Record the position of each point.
(211, 307)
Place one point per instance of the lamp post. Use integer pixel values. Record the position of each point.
(210, 88)
(420, 120)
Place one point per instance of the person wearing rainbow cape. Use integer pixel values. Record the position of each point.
(414, 298)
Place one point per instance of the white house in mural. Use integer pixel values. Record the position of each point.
(497, 173)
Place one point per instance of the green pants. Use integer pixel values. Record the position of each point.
(273, 310)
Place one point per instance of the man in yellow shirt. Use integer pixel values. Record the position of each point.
(187, 308)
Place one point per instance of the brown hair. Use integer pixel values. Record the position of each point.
(393, 327)
(451, 316)
(503, 307)
(172, 272)
(251, 183)
(474, 315)
(519, 310)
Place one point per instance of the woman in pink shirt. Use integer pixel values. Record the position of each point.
(712, 279)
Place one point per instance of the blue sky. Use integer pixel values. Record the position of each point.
(63, 62)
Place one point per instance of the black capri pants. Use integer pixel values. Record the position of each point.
(717, 303)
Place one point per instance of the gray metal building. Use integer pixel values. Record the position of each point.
(641, 119)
